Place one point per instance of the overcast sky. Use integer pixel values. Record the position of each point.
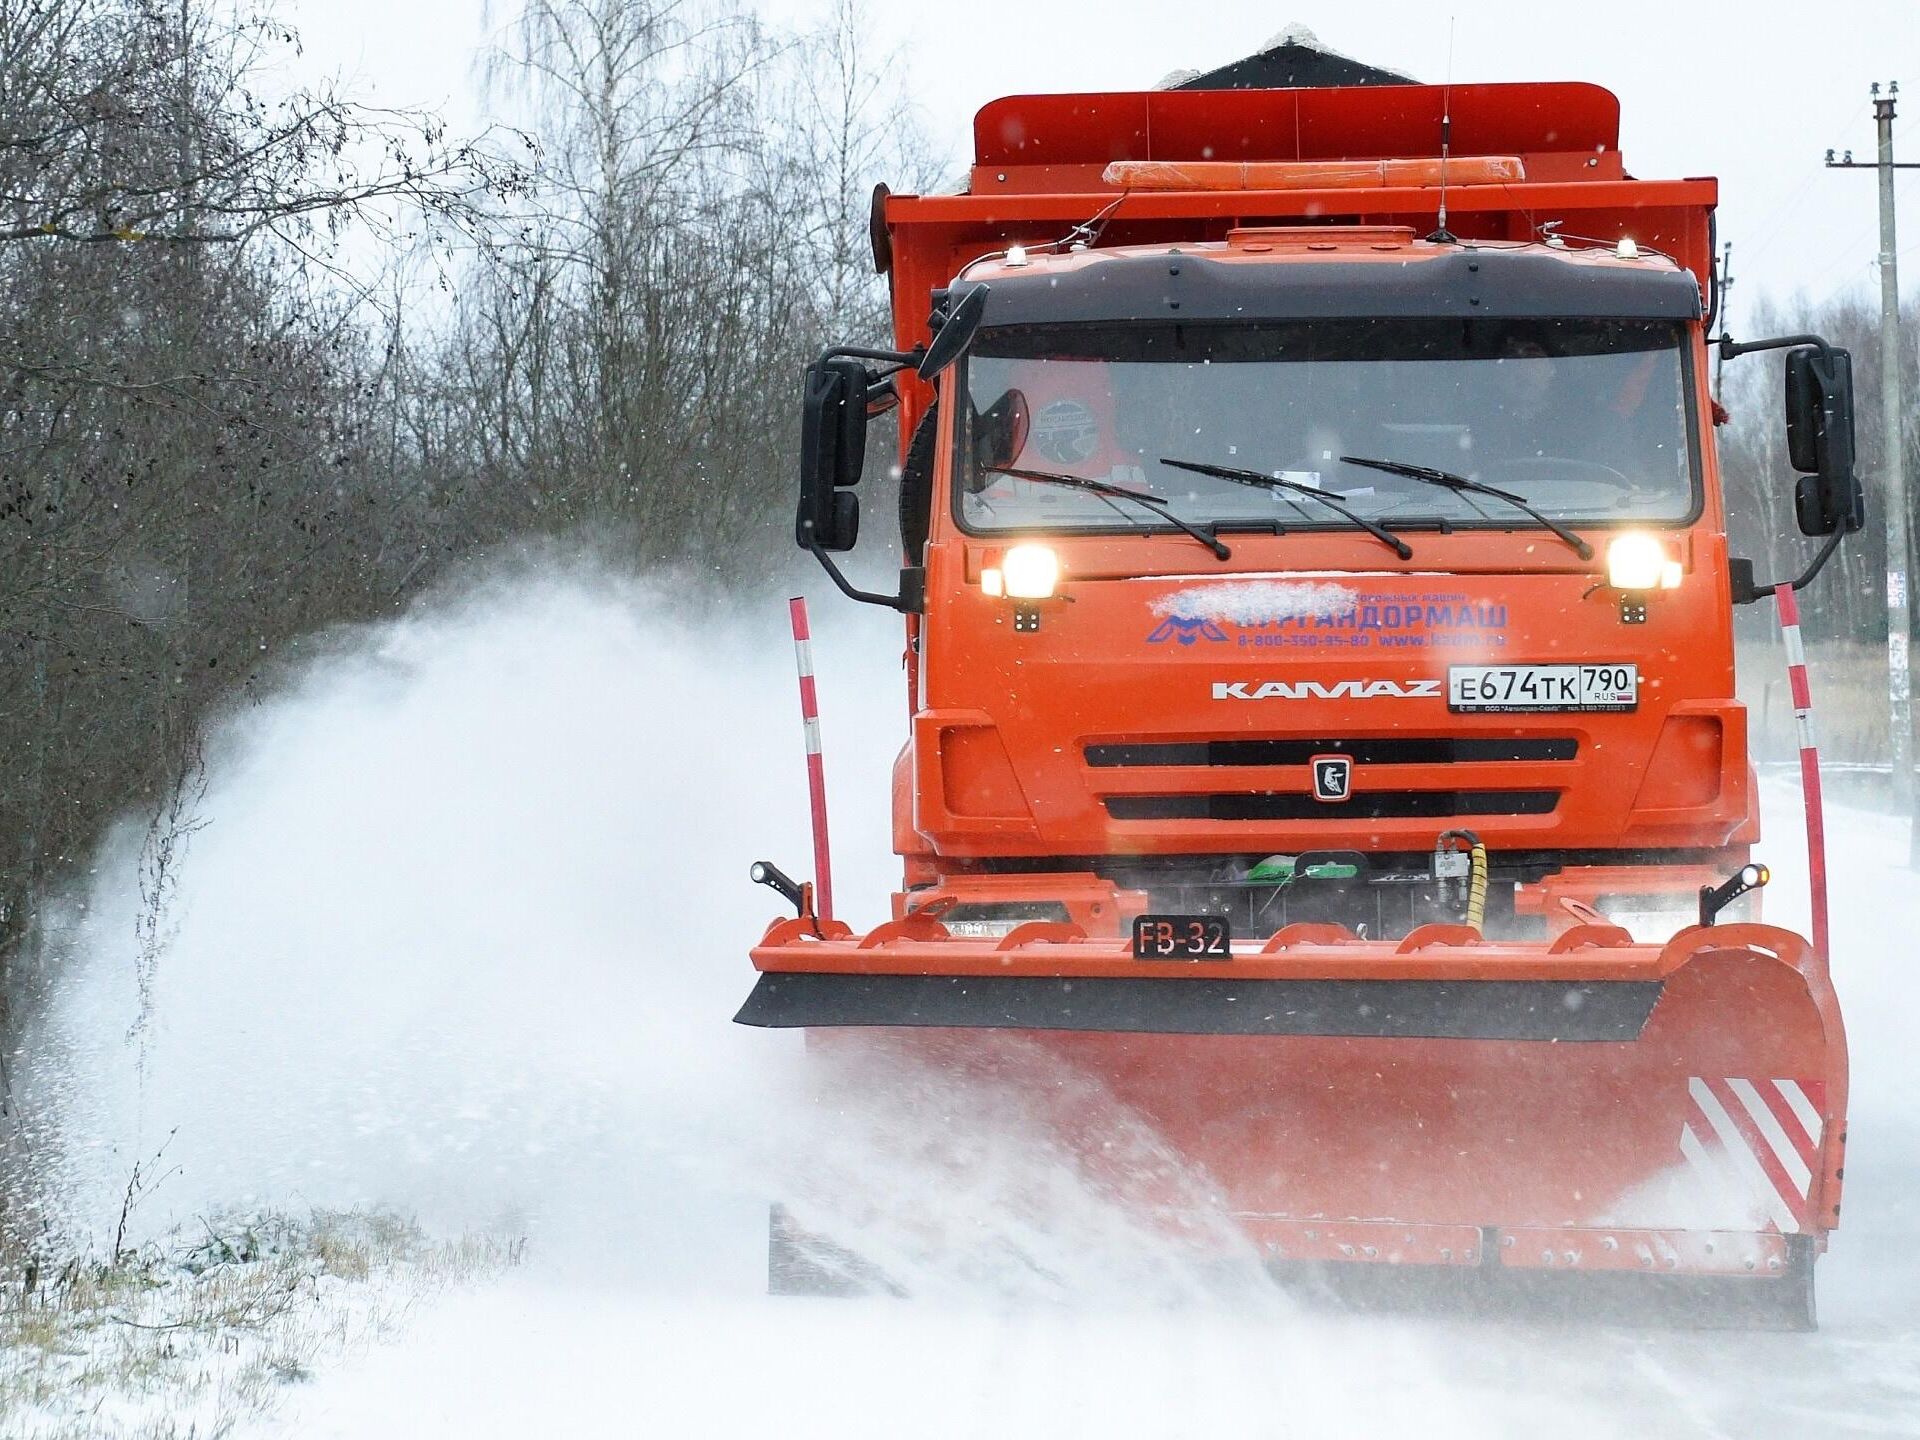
(1752, 91)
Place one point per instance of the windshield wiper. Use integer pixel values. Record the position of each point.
(1274, 482)
(1446, 479)
(1121, 492)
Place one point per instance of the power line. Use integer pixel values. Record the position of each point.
(1777, 217)
(1842, 258)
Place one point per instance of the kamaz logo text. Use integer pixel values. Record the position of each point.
(1317, 690)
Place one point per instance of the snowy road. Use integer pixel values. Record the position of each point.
(545, 1353)
(426, 954)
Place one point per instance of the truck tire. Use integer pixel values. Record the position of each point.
(916, 487)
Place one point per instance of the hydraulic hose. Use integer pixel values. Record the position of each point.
(1477, 871)
(1477, 886)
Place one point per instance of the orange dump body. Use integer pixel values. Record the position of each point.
(1386, 1088)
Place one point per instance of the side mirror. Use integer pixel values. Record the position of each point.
(883, 398)
(1000, 431)
(1819, 405)
(955, 334)
(833, 449)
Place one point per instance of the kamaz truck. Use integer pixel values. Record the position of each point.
(1319, 617)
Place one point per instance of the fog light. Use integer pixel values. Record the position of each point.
(981, 929)
(1028, 572)
(995, 921)
(1637, 561)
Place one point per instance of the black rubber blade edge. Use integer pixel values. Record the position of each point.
(1409, 1009)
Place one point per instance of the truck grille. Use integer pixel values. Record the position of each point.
(1374, 805)
(1396, 750)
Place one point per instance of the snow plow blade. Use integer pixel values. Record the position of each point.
(1586, 1105)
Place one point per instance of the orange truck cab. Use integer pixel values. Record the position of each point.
(1314, 537)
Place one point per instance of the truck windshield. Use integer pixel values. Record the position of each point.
(1587, 420)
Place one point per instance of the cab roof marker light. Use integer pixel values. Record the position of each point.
(1626, 249)
(1016, 255)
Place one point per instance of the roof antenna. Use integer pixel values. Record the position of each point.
(1444, 236)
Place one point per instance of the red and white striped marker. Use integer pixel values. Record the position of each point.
(816, 766)
(1753, 1146)
(1789, 604)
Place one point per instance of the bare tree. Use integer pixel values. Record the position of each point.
(210, 444)
(1850, 603)
(186, 394)
(697, 230)
(140, 120)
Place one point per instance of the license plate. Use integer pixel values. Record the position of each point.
(1182, 937)
(1543, 687)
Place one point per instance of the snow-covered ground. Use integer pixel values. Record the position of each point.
(465, 932)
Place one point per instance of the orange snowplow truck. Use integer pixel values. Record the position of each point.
(1321, 669)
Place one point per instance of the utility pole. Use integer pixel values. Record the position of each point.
(1893, 475)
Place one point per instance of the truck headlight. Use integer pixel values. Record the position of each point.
(1638, 561)
(1030, 572)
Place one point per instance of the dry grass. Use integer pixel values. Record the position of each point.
(192, 1337)
(1849, 682)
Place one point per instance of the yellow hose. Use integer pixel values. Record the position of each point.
(1476, 870)
(1477, 886)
